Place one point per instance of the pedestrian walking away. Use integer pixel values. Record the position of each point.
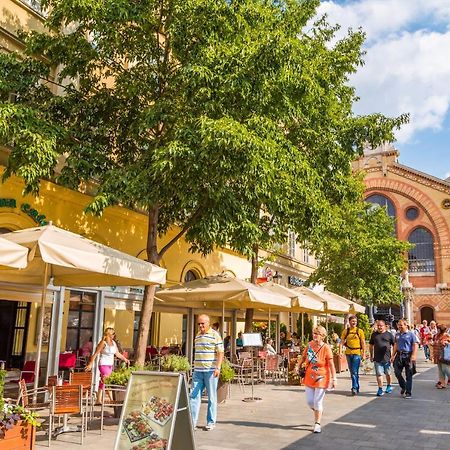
(320, 373)
(441, 356)
(208, 357)
(353, 340)
(404, 357)
(380, 346)
(425, 335)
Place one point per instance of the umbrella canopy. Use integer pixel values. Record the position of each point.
(333, 304)
(12, 255)
(354, 307)
(73, 260)
(234, 292)
(301, 301)
(77, 261)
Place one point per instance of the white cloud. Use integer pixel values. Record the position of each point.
(406, 66)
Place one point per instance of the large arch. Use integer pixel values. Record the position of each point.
(441, 230)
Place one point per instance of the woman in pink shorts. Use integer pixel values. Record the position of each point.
(107, 349)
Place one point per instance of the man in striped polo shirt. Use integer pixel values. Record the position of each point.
(208, 347)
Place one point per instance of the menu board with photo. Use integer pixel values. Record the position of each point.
(150, 409)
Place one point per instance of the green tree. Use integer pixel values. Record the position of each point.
(230, 120)
(360, 257)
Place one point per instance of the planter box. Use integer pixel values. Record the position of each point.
(291, 380)
(223, 388)
(119, 397)
(340, 363)
(20, 437)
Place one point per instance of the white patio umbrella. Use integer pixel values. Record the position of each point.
(353, 306)
(12, 255)
(73, 260)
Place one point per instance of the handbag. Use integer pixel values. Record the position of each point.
(445, 354)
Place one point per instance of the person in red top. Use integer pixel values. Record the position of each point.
(320, 373)
(425, 335)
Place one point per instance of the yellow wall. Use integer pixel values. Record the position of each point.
(170, 329)
(122, 322)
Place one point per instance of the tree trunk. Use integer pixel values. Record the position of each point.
(149, 292)
(249, 313)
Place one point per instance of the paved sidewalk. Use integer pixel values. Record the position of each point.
(282, 420)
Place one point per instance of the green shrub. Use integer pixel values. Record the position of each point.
(175, 363)
(121, 376)
(2, 386)
(227, 372)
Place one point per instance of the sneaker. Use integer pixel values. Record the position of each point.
(388, 389)
(402, 393)
(380, 392)
(210, 426)
(408, 396)
(354, 392)
(317, 428)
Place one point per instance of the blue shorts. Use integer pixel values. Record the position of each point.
(382, 368)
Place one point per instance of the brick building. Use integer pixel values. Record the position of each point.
(420, 204)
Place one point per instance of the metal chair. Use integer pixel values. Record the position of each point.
(243, 371)
(113, 396)
(66, 400)
(273, 367)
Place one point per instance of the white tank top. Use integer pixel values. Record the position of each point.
(107, 354)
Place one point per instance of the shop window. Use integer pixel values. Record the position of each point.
(80, 324)
(421, 256)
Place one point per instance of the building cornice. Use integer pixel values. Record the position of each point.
(415, 175)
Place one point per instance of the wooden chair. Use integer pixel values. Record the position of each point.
(113, 396)
(66, 400)
(33, 399)
(273, 367)
(85, 379)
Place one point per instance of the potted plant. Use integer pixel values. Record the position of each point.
(227, 374)
(175, 363)
(17, 424)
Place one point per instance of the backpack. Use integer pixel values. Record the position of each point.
(347, 332)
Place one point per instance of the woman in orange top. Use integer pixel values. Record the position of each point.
(320, 373)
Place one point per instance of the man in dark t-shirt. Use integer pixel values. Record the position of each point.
(380, 346)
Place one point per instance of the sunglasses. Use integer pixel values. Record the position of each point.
(202, 323)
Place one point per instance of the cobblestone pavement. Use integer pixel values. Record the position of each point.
(282, 420)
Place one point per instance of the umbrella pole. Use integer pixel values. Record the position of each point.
(223, 319)
(40, 327)
(270, 334)
(303, 327)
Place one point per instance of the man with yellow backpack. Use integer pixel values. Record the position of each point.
(354, 341)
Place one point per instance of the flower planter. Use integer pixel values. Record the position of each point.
(223, 388)
(340, 363)
(118, 396)
(293, 378)
(20, 436)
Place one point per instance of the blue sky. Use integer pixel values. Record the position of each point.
(407, 70)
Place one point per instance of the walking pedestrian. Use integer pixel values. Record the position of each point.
(380, 346)
(208, 347)
(441, 356)
(107, 348)
(404, 357)
(424, 338)
(320, 373)
(353, 340)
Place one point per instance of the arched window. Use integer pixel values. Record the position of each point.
(191, 275)
(421, 257)
(383, 201)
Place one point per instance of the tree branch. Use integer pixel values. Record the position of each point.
(185, 228)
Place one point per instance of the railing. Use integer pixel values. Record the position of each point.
(421, 265)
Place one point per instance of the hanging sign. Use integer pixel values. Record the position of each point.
(155, 414)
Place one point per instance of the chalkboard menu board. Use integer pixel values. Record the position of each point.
(155, 414)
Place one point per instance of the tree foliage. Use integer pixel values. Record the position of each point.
(229, 119)
(360, 256)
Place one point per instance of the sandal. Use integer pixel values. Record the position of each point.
(440, 386)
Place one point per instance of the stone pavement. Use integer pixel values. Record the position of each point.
(282, 420)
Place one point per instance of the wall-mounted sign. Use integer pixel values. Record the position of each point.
(155, 414)
(295, 281)
(7, 202)
(446, 203)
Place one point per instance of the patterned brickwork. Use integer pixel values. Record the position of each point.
(439, 302)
